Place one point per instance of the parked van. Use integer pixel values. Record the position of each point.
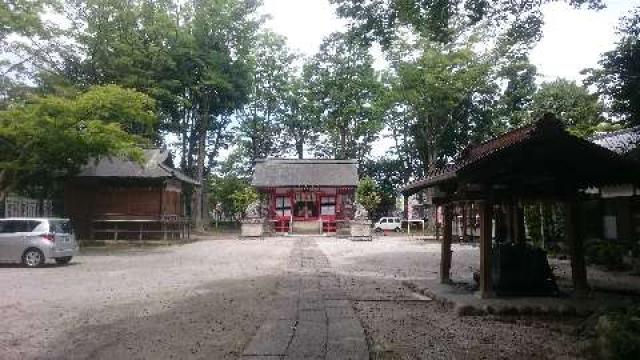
(388, 224)
(32, 241)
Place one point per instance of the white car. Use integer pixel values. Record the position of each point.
(32, 241)
(388, 224)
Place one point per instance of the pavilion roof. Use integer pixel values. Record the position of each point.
(305, 172)
(532, 157)
(152, 166)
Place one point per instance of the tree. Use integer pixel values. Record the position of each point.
(399, 120)
(242, 198)
(618, 79)
(301, 120)
(387, 174)
(27, 43)
(221, 33)
(573, 104)
(520, 21)
(223, 190)
(24, 17)
(50, 138)
(520, 78)
(346, 89)
(449, 94)
(367, 194)
(260, 119)
(192, 57)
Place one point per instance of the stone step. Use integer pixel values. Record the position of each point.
(306, 227)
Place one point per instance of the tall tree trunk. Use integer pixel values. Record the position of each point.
(300, 148)
(185, 141)
(198, 210)
(343, 143)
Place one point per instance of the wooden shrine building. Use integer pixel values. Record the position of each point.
(306, 196)
(119, 199)
(539, 162)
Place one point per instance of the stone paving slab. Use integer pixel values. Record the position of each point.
(347, 350)
(272, 338)
(317, 315)
(345, 329)
(312, 318)
(309, 342)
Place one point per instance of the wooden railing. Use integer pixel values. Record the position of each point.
(165, 228)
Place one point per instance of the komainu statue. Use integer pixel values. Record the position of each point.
(253, 210)
(361, 213)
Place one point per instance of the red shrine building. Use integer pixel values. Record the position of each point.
(306, 196)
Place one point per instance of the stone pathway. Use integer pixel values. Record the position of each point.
(313, 319)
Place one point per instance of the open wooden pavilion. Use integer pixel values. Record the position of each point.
(539, 162)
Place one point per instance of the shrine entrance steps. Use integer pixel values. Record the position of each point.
(312, 227)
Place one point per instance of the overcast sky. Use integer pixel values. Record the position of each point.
(573, 39)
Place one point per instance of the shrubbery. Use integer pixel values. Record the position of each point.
(619, 334)
(607, 254)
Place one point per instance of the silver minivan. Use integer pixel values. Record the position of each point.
(32, 241)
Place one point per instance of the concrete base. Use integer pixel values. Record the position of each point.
(252, 229)
(467, 303)
(360, 230)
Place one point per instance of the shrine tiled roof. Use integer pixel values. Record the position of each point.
(543, 133)
(153, 166)
(474, 153)
(305, 172)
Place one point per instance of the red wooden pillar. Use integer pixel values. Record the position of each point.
(445, 254)
(486, 235)
(574, 240)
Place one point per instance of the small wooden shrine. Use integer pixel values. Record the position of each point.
(306, 196)
(541, 161)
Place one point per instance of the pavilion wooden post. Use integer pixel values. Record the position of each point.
(519, 226)
(445, 254)
(464, 222)
(574, 240)
(405, 210)
(486, 233)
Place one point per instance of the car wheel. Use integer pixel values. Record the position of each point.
(33, 258)
(397, 229)
(378, 230)
(63, 260)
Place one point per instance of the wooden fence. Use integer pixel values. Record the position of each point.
(17, 206)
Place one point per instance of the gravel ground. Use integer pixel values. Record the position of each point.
(208, 299)
(375, 272)
(200, 300)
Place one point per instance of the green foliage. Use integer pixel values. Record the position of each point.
(51, 137)
(368, 194)
(606, 253)
(301, 120)
(437, 20)
(345, 90)
(520, 76)
(387, 174)
(24, 17)
(222, 190)
(449, 93)
(243, 198)
(618, 78)
(260, 120)
(619, 334)
(573, 104)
